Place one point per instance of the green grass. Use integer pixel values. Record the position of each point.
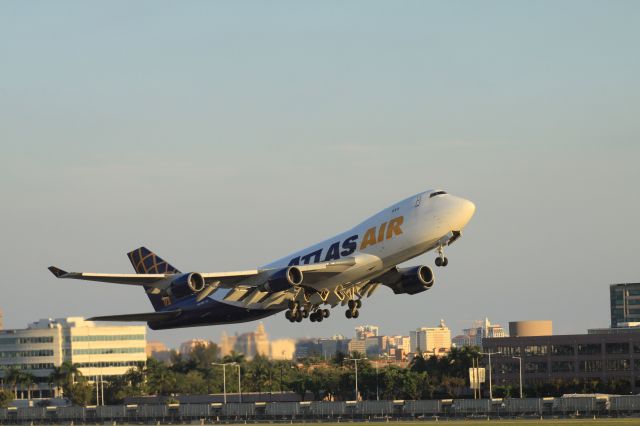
(545, 422)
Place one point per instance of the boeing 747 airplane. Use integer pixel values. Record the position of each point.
(342, 270)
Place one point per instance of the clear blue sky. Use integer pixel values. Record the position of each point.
(226, 134)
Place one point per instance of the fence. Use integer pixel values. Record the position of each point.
(614, 406)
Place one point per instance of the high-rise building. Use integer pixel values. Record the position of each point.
(398, 347)
(253, 343)
(364, 331)
(47, 343)
(358, 346)
(158, 350)
(306, 348)
(431, 340)
(330, 347)
(257, 343)
(227, 344)
(625, 303)
(186, 347)
(479, 330)
(282, 349)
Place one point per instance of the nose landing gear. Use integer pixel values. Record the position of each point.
(441, 260)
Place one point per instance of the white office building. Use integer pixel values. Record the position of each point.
(97, 350)
(431, 340)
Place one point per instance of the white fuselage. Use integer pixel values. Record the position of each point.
(401, 232)
(396, 234)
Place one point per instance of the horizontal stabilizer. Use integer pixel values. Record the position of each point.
(149, 316)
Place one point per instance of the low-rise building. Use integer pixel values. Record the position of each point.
(98, 351)
(586, 358)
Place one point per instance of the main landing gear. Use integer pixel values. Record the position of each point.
(318, 315)
(354, 305)
(441, 260)
(297, 312)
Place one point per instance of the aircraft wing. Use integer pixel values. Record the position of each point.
(250, 278)
(227, 279)
(149, 316)
(132, 279)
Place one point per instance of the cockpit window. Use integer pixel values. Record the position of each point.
(433, 194)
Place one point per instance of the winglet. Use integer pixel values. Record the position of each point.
(59, 273)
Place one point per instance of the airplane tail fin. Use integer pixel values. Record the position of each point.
(144, 261)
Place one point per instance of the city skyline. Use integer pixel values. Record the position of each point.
(222, 136)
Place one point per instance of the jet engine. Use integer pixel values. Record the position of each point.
(283, 279)
(186, 284)
(412, 280)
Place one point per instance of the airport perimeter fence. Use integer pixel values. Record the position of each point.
(584, 406)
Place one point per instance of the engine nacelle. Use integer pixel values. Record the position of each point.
(413, 280)
(283, 279)
(186, 284)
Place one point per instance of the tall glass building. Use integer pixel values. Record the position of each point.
(625, 303)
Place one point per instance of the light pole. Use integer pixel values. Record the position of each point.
(224, 376)
(239, 383)
(490, 385)
(519, 358)
(355, 360)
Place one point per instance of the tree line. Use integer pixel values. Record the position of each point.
(199, 372)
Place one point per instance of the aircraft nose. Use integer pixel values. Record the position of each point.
(465, 210)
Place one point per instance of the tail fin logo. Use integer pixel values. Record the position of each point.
(145, 261)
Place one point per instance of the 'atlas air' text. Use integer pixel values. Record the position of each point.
(338, 249)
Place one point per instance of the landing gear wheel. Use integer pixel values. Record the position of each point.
(325, 313)
(445, 261)
(355, 314)
(358, 304)
(319, 318)
(287, 315)
(348, 314)
(312, 318)
(298, 316)
(439, 261)
(351, 304)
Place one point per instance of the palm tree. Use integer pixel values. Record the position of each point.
(234, 357)
(70, 371)
(13, 376)
(57, 378)
(28, 380)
